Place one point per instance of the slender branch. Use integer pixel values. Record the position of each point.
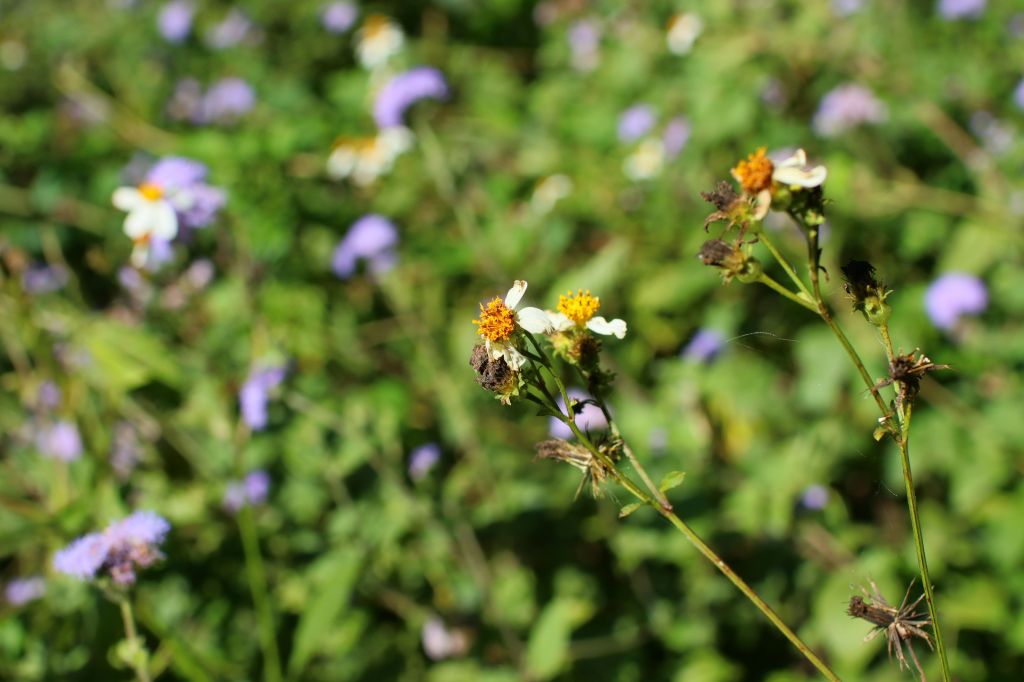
(778, 288)
(781, 260)
(138, 662)
(260, 596)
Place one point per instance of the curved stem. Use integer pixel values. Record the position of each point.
(781, 260)
(795, 298)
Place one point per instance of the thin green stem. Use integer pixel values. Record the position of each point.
(260, 596)
(781, 260)
(795, 298)
(138, 659)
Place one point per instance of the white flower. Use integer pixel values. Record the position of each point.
(579, 311)
(379, 39)
(150, 216)
(794, 172)
(499, 321)
(366, 159)
(683, 30)
(647, 161)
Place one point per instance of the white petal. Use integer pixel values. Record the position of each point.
(800, 177)
(127, 198)
(599, 325)
(165, 221)
(340, 163)
(139, 221)
(534, 320)
(513, 358)
(515, 294)
(798, 160)
(560, 323)
(139, 254)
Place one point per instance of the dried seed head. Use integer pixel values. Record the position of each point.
(731, 259)
(866, 292)
(495, 375)
(908, 369)
(722, 197)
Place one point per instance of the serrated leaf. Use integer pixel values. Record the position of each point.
(671, 480)
(629, 509)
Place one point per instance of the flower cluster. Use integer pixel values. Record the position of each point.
(120, 549)
(251, 490)
(637, 125)
(255, 394)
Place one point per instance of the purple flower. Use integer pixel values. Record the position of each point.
(440, 642)
(636, 122)
(996, 136)
(961, 9)
(1018, 94)
(338, 17)
(122, 547)
(234, 28)
(60, 440)
(175, 20)
(588, 419)
(584, 37)
(185, 101)
(255, 394)
(675, 136)
(404, 90)
(227, 100)
(21, 591)
(423, 459)
(48, 395)
(847, 107)
(184, 182)
(953, 295)
(845, 8)
(705, 345)
(251, 490)
(814, 497)
(372, 238)
(124, 451)
(44, 279)
(84, 557)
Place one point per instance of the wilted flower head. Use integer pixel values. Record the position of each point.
(379, 39)
(251, 490)
(588, 417)
(952, 296)
(579, 311)
(847, 107)
(423, 459)
(122, 547)
(906, 370)
(499, 321)
(705, 346)
(366, 159)
(338, 17)
(733, 260)
(255, 394)
(550, 191)
(404, 90)
(866, 292)
(59, 440)
(635, 122)
(683, 30)
(175, 20)
(232, 30)
(584, 37)
(21, 591)
(372, 238)
(227, 100)
(961, 9)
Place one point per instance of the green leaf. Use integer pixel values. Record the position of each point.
(629, 509)
(548, 649)
(671, 480)
(333, 579)
(125, 357)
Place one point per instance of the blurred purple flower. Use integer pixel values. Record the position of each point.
(995, 136)
(1015, 26)
(953, 295)
(44, 279)
(675, 136)
(814, 497)
(175, 20)
(845, 8)
(123, 546)
(372, 238)
(184, 182)
(584, 37)
(404, 90)
(251, 490)
(255, 393)
(961, 9)
(226, 100)
(234, 28)
(590, 418)
(124, 450)
(21, 591)
(440, 642)
(186, 100)
(423, 459)
(48, 395)
(635, 122)
(1018, 95)
(338, 17)
(705, 345)
(847, 107)
(59, 440)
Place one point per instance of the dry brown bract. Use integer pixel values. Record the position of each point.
(899, 625)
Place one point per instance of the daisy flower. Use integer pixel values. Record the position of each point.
(499, 321)
(379, 39)
(795, 172)
(579, 312)
(150, 216)
(366, 159)
(683, 30)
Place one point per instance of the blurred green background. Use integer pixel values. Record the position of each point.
(483, 566)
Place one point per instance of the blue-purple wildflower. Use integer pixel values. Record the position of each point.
(584, 37)
(232, 30)
(175, 20)
(373, 238)
(675, 136)
(338, 17)
(255, 394)
(1018, 95)
(225, 101)
(814, 497)
(59, 440)
(48, 395)
(423, 459)
(847, 107)
(635, 122)
(183, 181)
(588, 419)
(44, 279)
(120, 549)
(845, 8)
(21, 591)
(251, 490)
(125, 450)
(705, 346)
(960, 9)
(952, 296)
(404, 90)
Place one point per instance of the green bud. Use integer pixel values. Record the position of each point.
(877, 311)
(751, 272)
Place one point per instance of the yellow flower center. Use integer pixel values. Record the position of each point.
(376, 26)
(579, 308)
(150, 191)
(497, 321)
(754, 174)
